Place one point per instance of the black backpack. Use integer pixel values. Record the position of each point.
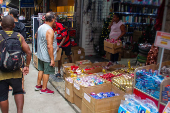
(10, 53)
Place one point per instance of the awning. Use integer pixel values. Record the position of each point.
(13, 4)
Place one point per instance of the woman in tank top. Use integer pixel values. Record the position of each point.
(117, 31)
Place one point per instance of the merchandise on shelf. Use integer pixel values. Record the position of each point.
(149, 82)
(165, 70)
(102, 95)
(87, 81)
(133, 104)
(166, 94)
(152, 55)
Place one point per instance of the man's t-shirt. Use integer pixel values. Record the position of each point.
(61, 32)
(10, 75)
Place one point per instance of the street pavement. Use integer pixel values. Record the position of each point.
(40, 103)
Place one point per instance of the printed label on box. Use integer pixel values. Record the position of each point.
(67, 91)
(81, 57)
(87, 97)
(77, 86)
(79, 52)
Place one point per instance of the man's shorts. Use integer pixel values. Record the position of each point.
(67, 50)
(45, 67)
(16, 85)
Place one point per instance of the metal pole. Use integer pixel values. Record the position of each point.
(19, 7)
(81, 24)
(160, 63)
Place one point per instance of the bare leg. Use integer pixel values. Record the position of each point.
(19, 100)
(70, 58)
(59, 64)
(4, 106)
(40, 76)
(45, 81)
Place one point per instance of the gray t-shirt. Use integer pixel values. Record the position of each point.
(42, 51)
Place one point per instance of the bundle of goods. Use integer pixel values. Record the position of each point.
(113, 40)
(87, 81)
(109, 76)
(166, 94)
(165, 70)
(102, 95)
(124, 82)
(143, 52)
(152, 55)
(133, 104)
(149, 82)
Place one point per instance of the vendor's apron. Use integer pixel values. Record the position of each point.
(115, 30)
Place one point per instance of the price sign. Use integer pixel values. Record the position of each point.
(162, 40)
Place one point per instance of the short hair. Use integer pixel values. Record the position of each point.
(49, 16)
(14, 12)
(118, 15)
(8, 22)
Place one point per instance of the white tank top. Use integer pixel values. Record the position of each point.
(42, 50)
(115, 30)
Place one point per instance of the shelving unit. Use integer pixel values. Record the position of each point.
(161, 105)
(136, 16)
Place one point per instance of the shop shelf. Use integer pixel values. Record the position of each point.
(140, 5)
(137, 14)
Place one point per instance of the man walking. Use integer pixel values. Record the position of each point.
(14, 78)
(19, 26)
(63, 41)
(46, 53)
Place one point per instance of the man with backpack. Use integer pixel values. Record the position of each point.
(19, 26)
(12, 45)
(47, 49)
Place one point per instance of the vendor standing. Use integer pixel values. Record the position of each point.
(117, 31)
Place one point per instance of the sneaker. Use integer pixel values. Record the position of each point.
(37, 88)
(58, 75)
(46, 91)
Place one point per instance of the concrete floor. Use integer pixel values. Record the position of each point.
(40, 103)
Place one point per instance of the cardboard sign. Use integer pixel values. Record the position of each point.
(162, 40)
(58, 54)
(167, 108)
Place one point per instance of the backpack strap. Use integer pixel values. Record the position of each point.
(4, 35)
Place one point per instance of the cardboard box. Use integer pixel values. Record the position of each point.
(69, 91)
(35, 60)
(136, 35)
(108, 56)
(78, 57)
(112, 45)
(58, 54)
(84, 62)
(114, 67)
(101, 105)
(127, 53)
(77, 101)
(85, 109)
(111, 50)
(65, 66)
(100, 64)
(95, 70)
(77, 50)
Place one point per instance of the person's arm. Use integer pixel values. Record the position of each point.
(26, 49)
(111, 24)
(62, 42)
(50, 39)
(123, 31)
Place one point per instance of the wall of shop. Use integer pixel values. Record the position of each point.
(167, 29)
(93, 23)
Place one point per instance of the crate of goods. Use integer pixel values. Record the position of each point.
(124, 82)
(78, 53)
(35, 60)
(101, 99)
(86, 81)
(69, 89)
(69, 70)
(112, 47)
